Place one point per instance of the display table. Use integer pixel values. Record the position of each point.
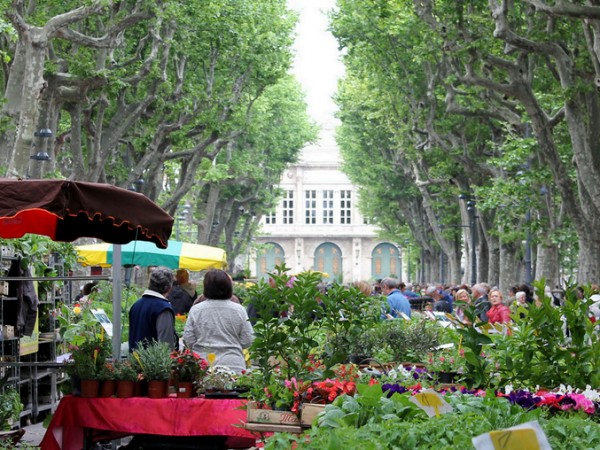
(78, 422)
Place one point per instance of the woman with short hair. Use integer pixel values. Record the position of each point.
(218, 325)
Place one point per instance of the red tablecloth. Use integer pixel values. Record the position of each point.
(112, 418)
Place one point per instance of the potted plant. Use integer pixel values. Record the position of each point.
(217, 379)
(85, 365)
(446, 364)
(154, 360)
(187, 368)
(126, 375)
(10, 405)
(107, 378)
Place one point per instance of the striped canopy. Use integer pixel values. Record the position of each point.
(177, 255)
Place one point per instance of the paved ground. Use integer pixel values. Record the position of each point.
(34, 434)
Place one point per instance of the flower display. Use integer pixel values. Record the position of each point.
(217, 378)
(187, 365)
(446, 360)
(563, 400)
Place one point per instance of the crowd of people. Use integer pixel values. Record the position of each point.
(217, 322)
(489, 302)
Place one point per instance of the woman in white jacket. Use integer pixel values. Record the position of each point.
(218, 325)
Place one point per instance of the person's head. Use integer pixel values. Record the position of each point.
(525, 288)
(433, 292)
(161, 280)
(463, 296)
(388, 285)
(496, 297)
(182, 276)
(88, 288)
(521, 297)
(364, 287)
(217, 285)
(479, 290)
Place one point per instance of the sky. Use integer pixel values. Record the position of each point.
(317, 64)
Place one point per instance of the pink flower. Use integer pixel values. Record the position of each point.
(583, 403)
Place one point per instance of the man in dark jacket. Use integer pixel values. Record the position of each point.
(152, 317)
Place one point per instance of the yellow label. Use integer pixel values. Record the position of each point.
(520, 439)
(211, 357)
(431, 400)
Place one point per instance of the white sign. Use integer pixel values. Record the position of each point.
(101, 316)
(527, 436)
(431, 402)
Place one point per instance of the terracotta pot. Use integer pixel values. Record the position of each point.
(157, 389)
(125, 388)
(108, 388)
(89, 388)
(185, 389)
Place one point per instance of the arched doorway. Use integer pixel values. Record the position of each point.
(273, 255)
(328, 259)
(385, 261)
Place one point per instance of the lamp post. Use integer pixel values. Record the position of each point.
(42, 155)
(473, 226)
(407, 245)
(181, 214)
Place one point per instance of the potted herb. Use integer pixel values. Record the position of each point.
(154, 360)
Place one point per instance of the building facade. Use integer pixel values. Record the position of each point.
(317, 224)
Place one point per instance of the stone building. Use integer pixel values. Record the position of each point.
(317, 224)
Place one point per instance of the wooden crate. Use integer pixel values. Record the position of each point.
(256, 415)
(309, 412)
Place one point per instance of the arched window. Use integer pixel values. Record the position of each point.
(328, 259)
(385, 261)
(273, 255)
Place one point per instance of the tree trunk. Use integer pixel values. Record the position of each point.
(31, 86)
(547, 264)
(509, 269)
(589, 249)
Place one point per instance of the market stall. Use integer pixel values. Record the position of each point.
(79, 422)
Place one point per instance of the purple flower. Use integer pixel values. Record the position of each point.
(391, 389)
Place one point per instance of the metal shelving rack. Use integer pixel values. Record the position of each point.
(35, 374)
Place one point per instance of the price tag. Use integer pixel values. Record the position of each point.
(523, 439)
(527, 436)
(431, 402)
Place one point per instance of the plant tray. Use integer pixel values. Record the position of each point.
(309, 412)
(257, 415)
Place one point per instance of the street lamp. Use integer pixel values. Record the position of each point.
(407, 244)
(181, 214)
(44, 133)
(473, 226)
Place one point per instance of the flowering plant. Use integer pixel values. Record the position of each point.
(446, 360)
(87, 359)
(328, 390)
(126, 371)
(107, 372)
(187, 365)
(217, 378)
